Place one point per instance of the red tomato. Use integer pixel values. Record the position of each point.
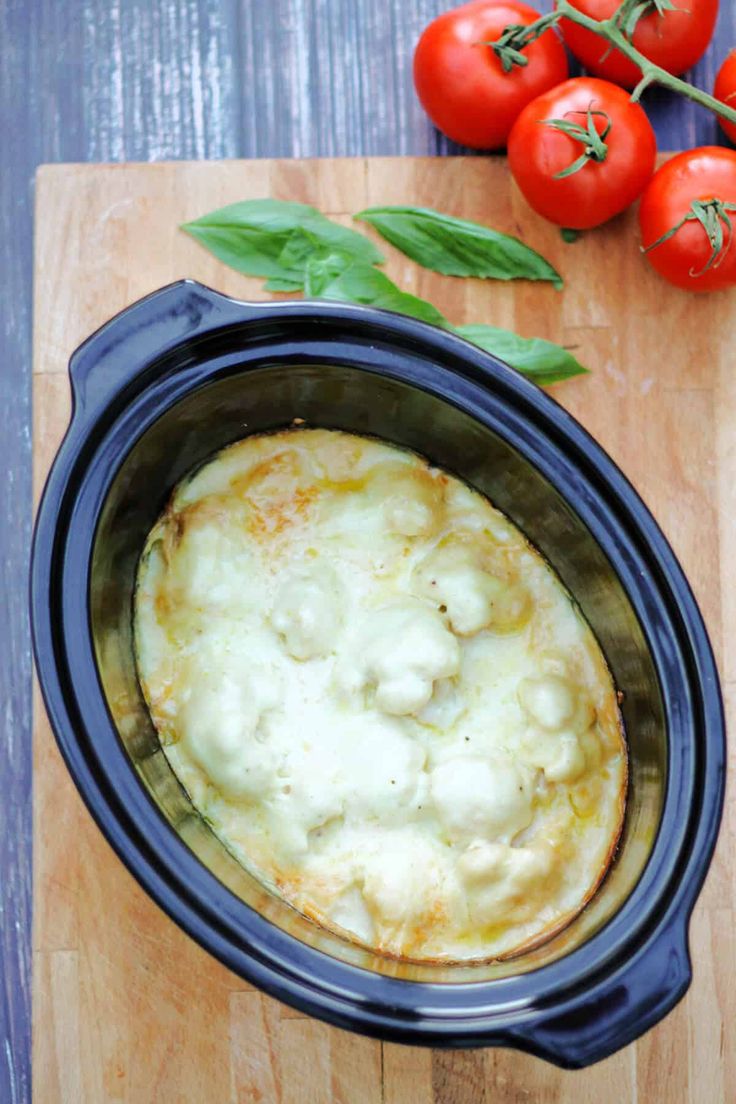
(705, 177)
(609, 180)
(461, 82)
(725, 90)
(674, 40)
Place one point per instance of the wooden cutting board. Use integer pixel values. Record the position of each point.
(126, 1007)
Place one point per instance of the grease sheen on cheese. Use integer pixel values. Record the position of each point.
(380, 695)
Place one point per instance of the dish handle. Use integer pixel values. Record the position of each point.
(124, 348)
(593, 1025)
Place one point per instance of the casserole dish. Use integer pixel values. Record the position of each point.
(186, 371)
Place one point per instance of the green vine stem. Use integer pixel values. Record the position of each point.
(593, 143)
(713, 216)
(610, 30)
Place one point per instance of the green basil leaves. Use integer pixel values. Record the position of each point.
(297, 249)
(275, 239)
(541, 360)
(456, 247)
(361, 283)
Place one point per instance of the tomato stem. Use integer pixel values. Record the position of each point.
(514, 39)
(713, 216)
(626, 17)
(644, 83)
(594, 143)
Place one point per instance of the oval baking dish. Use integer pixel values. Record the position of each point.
(186, 371)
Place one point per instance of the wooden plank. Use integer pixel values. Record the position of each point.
(127, 1008)
(407, 1075)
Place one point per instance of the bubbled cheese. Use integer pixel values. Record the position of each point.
(398, 652)
(307, 611)
(472, 597)
(400, 884)
(500, 878)
(490, 797)
(223, 719)
(387, 768)
(550, 701)
(379, 695)
(559, 716)
(410, 499)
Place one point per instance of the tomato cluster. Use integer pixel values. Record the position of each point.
(581, 150)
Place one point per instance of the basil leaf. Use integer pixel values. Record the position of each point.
(321, 272)
(299, 247)
(336, 278)
(276, 283)
(272, 238)
(365, 284)
(274, 216)
(457, 247)
(335, 238)
(541, 360)
(250, 252)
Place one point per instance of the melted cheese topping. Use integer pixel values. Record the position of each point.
(380, 696)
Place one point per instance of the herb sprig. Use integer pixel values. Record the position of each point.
(457, 247)
(295, 248)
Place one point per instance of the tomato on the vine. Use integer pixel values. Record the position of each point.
(687, 216)
(725, 90)
(582, 152)
(674, 34)
(464, 87)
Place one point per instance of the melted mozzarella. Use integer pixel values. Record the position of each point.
(488, 797)
(380, 696)
(399, 651)
(307, 611)
(472, 597)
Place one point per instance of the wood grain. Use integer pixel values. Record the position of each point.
(126, 1007)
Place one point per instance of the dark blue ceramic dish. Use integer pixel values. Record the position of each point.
(184, 372)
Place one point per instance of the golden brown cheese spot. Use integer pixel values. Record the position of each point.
(274, 479)
(268, 519)
(278, 491)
